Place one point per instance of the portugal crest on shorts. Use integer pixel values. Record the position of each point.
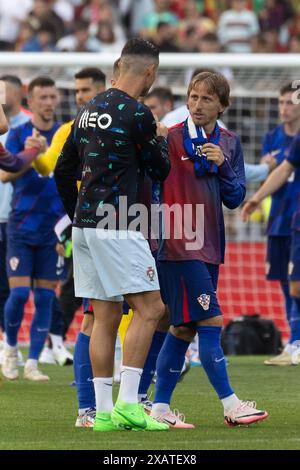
(204, 301)
(150, 273)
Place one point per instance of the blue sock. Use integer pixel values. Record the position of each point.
(168, 367)
(295, 320)
(57, 321)
(43, 299)
(150, 363)
(13, 313)
(213, 360)
(288, 299)
(83, 373)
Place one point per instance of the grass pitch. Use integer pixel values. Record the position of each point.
(42, 415)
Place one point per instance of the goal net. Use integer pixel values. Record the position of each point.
(255, 81)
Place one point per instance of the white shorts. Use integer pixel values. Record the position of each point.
(109, 264)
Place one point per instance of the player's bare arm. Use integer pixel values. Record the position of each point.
(3, 121)
(278, 177)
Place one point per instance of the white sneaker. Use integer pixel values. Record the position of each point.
(20, 357)
(87, 419)
(46, 356)
(295, 358)
(10, 363)
(173, 419)
(33, 373)
(245, 413)
(283, 359)
(62, 356)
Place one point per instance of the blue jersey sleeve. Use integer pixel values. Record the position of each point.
(294, 155)
(232, 179)
(256, 173)
(14, 143)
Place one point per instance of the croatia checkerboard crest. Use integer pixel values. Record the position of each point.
(204, 301)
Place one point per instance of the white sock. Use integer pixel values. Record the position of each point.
(57, 340)
(103, 393)
(288, 348)
(142, 396)
(230, 402)
(158, 408)
(31, 363)
(81, 411)
(130, 381)
(11, 348)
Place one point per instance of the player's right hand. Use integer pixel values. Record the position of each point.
(36, 141)
(161, 130)
(248, 209)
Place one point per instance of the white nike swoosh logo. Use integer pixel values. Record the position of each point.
(219, 360)
(175, 371)
(89, 380)
(184, 158)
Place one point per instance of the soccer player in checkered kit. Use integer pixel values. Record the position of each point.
(207, 170)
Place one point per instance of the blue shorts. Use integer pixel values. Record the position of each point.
(189, 290)
(35, 261)
(294, 266)
(278, 257)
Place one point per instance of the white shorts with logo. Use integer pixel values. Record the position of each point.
(109, 264)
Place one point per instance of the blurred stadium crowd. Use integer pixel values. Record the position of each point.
(260, 26)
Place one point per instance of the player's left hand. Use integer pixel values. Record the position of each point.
(60, 249)
(213, 153)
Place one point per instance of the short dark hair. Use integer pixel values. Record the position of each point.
(162, 93)
(287, 88)
(140, 47)
(91, 72)
(41, 82)
(12, 79)
(216, 84)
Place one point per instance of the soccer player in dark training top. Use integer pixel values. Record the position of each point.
(113, 141)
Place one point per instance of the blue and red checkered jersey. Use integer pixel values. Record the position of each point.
(294, 159)
(36, 205)
(284, 201)
(200, 199)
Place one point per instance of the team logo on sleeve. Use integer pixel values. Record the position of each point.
(150, 273)
(14, 263)
(204, 301)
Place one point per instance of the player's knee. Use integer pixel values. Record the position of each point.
(87, 324)
(214, 321)
(155, 312)
(183, 332)
(164, 323)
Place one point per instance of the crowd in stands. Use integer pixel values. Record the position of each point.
(260, 26)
